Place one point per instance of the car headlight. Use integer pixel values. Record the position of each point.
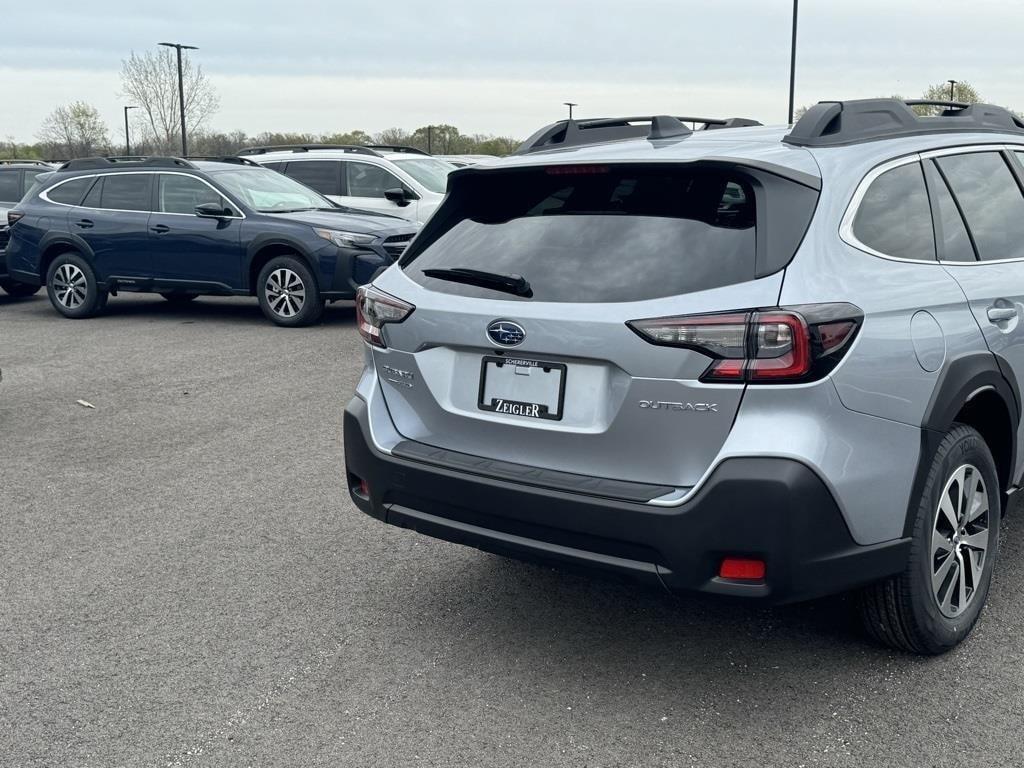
(346, 239)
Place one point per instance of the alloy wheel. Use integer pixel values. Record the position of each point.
(286, 292)
(70, 286)
(960, 540)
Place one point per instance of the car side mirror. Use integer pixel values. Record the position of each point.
(212, 211)
(399, 196)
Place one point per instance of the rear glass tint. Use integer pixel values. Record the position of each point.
(894, 218)
(10, 186)
(991, 202)
(617, 234)
(70, 192)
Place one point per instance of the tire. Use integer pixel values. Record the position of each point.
(13, 288)
(288, 293)
(72, 287)
(904, 611)
(180, 299)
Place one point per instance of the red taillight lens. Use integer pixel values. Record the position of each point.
(761, 346)
(374, 309)
(13, 216)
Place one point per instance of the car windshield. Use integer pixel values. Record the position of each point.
(270, 192)
(428, 171)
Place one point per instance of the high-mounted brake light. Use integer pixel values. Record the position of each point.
(782, 345)
(375, 309)
(576, 170)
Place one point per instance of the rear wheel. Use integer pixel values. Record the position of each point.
(72, 287)
(935, 602)
(288, 292)
(13, 288)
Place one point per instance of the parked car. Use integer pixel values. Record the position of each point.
(185, 228)
(461, 161)
(758, 362)
(16, 177)
(400, 181)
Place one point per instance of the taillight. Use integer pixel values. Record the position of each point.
(13, 216)
(374, 309)
(784, 345)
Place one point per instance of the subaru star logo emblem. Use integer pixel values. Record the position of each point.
(506, 333)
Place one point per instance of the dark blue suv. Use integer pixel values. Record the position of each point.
(184, 228)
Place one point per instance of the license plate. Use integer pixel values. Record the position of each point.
(519, 387)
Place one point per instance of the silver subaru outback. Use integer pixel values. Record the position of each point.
(765, 363)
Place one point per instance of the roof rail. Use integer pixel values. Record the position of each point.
(93, 163)
(15, 161)
(835, 123)
(354, 148)
(233, 159)
(398, 148)
(577, 133)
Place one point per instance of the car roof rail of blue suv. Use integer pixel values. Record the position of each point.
(836, 123)
(103, 163)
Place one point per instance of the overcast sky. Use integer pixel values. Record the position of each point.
(307, 65)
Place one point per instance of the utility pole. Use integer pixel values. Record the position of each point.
(181, 91)
(570, 105)
(792, 63)
(127, 138)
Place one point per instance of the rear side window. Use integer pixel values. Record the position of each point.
(70, 192)
(10, 186)
(991, 201)
(894, 217)
(954, 244)
(609, 234)
(127, 192)
(322, 175)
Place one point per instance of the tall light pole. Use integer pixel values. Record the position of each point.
(181, 91)
(952, 84)
(570, 105)
(792, 63)
(127, 138)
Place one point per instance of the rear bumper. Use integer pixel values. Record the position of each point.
(774, 509)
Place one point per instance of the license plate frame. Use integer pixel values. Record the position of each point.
(520, 407)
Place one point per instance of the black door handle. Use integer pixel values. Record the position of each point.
(160, 229)
(84, 223)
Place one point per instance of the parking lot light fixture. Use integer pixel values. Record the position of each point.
(127, 137)
(570, 105)
(181, 90)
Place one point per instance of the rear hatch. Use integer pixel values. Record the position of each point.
(539, 367)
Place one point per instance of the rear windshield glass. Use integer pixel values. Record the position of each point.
(594, 234)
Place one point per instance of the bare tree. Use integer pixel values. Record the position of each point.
(74, 130)
(150, 82)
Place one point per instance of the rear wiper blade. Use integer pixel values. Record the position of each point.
(514, 284)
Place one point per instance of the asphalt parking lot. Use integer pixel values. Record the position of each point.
(184, 582)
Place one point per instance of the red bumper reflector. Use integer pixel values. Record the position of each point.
(742, 569)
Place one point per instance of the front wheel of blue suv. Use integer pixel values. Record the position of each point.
(72, 287)
(288, 292)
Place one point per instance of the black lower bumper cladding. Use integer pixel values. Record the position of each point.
(773, 509)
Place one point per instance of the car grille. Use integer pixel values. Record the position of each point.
(396, 244)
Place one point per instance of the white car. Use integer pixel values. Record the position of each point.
(462, 161)
(401, 181)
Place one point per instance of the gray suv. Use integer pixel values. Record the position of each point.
(765, 363)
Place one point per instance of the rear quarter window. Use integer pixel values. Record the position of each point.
(607, 234)
(894, 216)
(71, 192)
